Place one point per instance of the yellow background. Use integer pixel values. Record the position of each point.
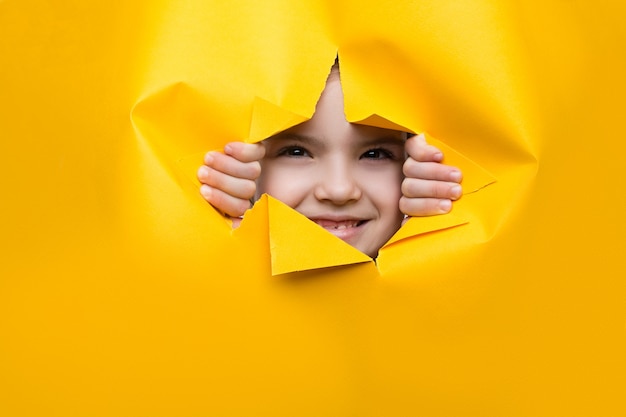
(123, 293)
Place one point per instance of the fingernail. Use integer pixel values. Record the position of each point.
(228, 149)
(206, 191)
(445, 205)
(438, 156)
(456, 175)
(208, 158)
(203, 171)
(456, 191)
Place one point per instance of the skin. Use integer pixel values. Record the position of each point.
(429, 187)
(345, 177)
(356, 181)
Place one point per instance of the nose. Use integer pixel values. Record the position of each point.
(338, 184)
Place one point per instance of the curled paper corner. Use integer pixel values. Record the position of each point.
(268, 119)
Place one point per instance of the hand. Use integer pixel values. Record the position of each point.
(228, 178)
(429, 187)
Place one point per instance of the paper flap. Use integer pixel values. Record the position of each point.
(380, 121)
(298, 244)
(269, 119)
(475, 177)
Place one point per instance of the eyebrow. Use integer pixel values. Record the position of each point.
(384, 140)
(311, 140)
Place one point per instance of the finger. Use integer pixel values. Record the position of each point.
(236, 221)
(417, 148)
(431, 171)
(245, 152)
(418, 188)
(419, 207)
(236, 187)
(224, 202)
(231, 166)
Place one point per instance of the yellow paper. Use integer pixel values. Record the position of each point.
(122, 292)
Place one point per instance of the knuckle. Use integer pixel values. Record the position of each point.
(255, 170)
(214, 161)
(416, 150)
(242, 207)
(440, 172)
(404, 205)
(233, 207)
(249, 189)
(260, 150)
(214, 178)
(227, 205)
(251, 152)
(232, 148)
(211, 177)
(246, 151)
(218, 203)
(439, 190)
(408, 167)
(405, 187)
(411, 206)
(420, 155)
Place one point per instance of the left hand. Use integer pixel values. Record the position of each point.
(429, 186)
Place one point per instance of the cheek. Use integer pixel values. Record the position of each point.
(285, 183)
(384, 192)
(384, 188)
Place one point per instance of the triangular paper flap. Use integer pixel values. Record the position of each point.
(475, 177)
(269, 119)
(420, 225)
(298, 244)
(379, 121)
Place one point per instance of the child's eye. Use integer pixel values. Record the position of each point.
(293, 151)
(378, 153)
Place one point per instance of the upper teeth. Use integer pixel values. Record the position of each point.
(329, 224)
(345, 226)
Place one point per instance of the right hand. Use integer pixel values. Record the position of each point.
(228, 178)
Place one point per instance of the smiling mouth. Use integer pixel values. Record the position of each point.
(338, 225)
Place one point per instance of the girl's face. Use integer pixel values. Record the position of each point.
(344, 177)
